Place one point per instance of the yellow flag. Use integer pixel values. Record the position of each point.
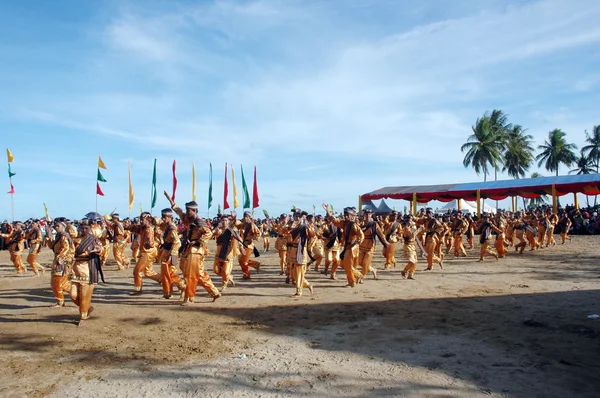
(9, 155)
(235, 201)
(131, 195)
(193, 182)
(101, 163)
(46, 210)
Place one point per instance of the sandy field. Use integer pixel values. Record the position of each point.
(514, 328)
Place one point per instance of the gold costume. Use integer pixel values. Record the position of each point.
(34, 237)
(16, 245)
(148, 254)
(63, 249)
(168, 254)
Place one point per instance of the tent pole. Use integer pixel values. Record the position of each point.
(360, 205)
(514, 204)
(554, 199)
(478, 203)
(458, 204)
(575, 200)
(413, 204)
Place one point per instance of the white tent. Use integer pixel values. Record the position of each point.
(466, 207)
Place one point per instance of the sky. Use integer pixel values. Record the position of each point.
(328, 99)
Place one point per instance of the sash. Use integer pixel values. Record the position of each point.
(331, 233)
(94, 264)
(393, 230)
(225, 240)
(59, 236)
(167, 245)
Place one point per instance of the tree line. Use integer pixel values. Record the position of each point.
(498, 145)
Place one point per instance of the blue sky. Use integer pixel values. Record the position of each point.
(329, 99)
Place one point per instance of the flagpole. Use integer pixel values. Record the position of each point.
(12, 200)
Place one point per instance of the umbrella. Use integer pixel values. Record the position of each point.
(92, 215)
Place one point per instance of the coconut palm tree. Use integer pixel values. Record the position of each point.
(540, 200)
(592, 150)
(556, 151)
(483, 147)
(585, 165)
(518, 153)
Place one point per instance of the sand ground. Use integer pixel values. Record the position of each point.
(514, 328)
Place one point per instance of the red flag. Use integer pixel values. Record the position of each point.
(225, 191)
(255, 203)
(12, 189)
(98, 190)
(174, 181)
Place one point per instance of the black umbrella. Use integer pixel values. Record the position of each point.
(92, 215)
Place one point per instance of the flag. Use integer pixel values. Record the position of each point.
(225, 192)
(235, 201)
(46, 211)
(174, 180)
(194, 182)
(255, 201)
(101, 164)
(98, 190)
(10, 173)
(131, 193)
(210, 198)
(245, 191)
(9, 155)
(153, 194)
(141, 209)
(12, 189)
(219, 209)
(100, 177)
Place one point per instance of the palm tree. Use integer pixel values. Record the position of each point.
(555, 151)
(518, 153)
(585, 165)
(483, 147)
(540, 200)
(593, 149)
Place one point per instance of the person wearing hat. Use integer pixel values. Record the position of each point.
(168, 255)
(280, 227)
(194, 249)
(331, 242)
(72, 231)
(351, 239)
(519, 231)
(116, 232)
(86, 271)
(565, 224)
(366, 249)
(433, 230)
(459, 228)
(485, 238)
(298, 236)
(34, 238)
(315, 244)
(15, 241)
(148, 253)
(63, 249)
(249, 233)
(391, 229)
(227, 239)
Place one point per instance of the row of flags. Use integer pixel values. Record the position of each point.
(247, 204)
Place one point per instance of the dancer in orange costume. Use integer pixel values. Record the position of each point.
(409, 234)
(315, 244)
(392, 226)
(433, 229)
(485, 229)
(371, 231)
(86, 271)
(551, 221)
(148, 253)
(227, 240)
(281, 242)
(118, 237)
(194, 249)
(352, 236)
(500, 234)
(298, 236)
(169, 254)
(63, 250)
(331, 242)
(249, 233)
(459, 228)
(519, 231)
(15, 241)
(265, 232)
(565, 225)
(34, 238)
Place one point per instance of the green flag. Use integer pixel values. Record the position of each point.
(10, 173)
(245, 189)
(210, 198)
(100, 177)
(153, 195)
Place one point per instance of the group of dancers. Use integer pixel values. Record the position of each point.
(346, 241)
